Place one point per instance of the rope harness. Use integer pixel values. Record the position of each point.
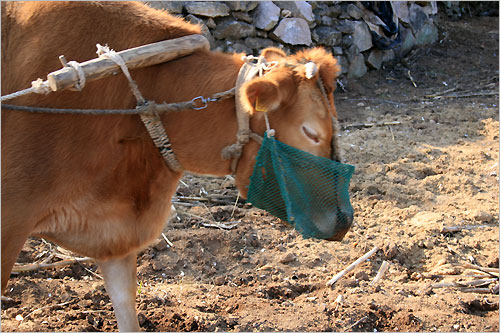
(149, 111)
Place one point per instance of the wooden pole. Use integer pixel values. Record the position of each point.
(142, 56)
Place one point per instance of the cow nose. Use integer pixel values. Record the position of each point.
(344, 222)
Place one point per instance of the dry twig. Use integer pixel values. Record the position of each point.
(34, 267)
(352, 266)
(380, 273)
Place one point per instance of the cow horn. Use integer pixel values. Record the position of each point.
(311, 70)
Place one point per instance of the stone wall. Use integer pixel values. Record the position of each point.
(350, 31)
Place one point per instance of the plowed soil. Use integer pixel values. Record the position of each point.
(434, 164)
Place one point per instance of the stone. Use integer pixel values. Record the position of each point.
(173, 7)
(326, 20)
(401, 11)
(483, 216)
(407, 42)
(204, 28)
(428, 34)
(211, 23)
(258, 43)
(337, 50)
(207, 8)
(238, 48)
(289, 257)
(375, 59)
(243, 16)
(345, 27)
(354, 11)
(357, 67)
(231, 29)
(266, 16)
(242, 6)
(335, 11)
(361, 36)
(343, 63)
(299, 9)
(219, 280)
(352, 52)
(294, 31)
(160, 245)
(390, 250)
(327, 36)
(417, 18)
(362, 276)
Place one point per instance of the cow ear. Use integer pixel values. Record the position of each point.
(329, 71)
(267, 93)
(273, 53)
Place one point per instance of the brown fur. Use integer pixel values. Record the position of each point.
(96, 184)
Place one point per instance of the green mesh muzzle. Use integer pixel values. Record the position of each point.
(309, 192)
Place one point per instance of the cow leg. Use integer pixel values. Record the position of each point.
(120, 276)
(12, 243)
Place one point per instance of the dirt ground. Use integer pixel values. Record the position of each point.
(436, 167)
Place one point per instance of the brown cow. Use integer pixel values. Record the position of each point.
(96, 184)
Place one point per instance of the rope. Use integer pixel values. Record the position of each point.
(38, 87)
(164, 107)
(106, 52)
(81, 75)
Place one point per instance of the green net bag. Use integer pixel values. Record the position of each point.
(309, 192)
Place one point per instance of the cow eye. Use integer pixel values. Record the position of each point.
(309, 132)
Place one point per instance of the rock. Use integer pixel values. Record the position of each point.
(427, 35)
(401, 11)
(407, 42)
(211, 23)
(353, 52)
(258, 43)
(299, 9)
(327, 36)
(335, 11)
(357, 67)
(243, 16)
(326, 20)
(362, 276)
(337, 50)
(243, 6)
(173, 7)
(204, 30)
(390, 250)
(375, 59)
(238, 48)
(160, 245)
(482, 216)
(289, 257)
(294, 31)
(345, 27)
(266, 15)
(231, 29)
(219, 280)
(207, 8)
(285, 13)
(343, 63)
(361, 36)
(354, 11)
(417, 18)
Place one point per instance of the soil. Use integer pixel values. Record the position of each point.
(437, 167)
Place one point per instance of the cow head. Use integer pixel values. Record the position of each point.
(298, 111)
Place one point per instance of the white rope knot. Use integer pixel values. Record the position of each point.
(79, 73)
(40, 87)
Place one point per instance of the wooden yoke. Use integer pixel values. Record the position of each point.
(141, 56)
